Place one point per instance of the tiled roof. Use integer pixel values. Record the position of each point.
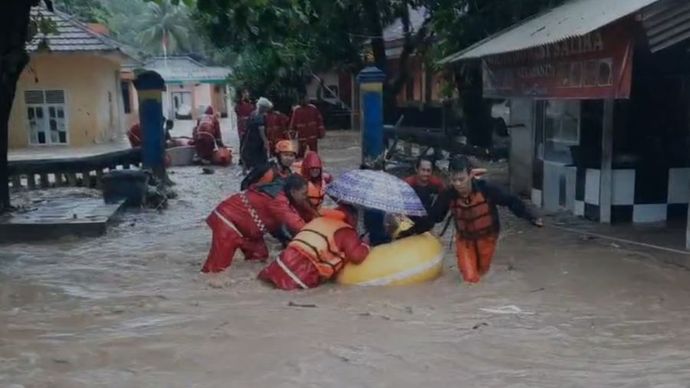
(71, 35)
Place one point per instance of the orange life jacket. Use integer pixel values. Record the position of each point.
(317, 242)
(316, 193)
(473, 217)
(274, 173)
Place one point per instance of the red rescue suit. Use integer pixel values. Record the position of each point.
(317, 253)
(307, 123)
(243, 110)
(316, 190)
(241, 222)
(206, 136)
(276, 128)
(134, 136)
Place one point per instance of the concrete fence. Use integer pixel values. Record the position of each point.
(84, 171)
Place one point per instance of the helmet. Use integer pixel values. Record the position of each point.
(285, 146)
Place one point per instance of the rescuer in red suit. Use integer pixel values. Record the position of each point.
(276, 128)
(207, 135)
(312, 171)
(242, 220)
(307, 124)
(318, 252)
(243, 109)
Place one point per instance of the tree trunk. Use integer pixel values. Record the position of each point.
(14, 28)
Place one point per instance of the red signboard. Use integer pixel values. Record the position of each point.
(594, 66)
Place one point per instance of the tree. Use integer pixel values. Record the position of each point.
(89, 11)
(323, 34)
(16, 28)
(460, 23)
(165, 27)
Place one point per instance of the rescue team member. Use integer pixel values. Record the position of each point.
(242, 220)
(424, 183)
(312, 171)
(255, 147)
(307, 124)
(277, 169)
(243, 110)
(207, 135)
(472, 203)
(276, 128)
(136, 137)
(318, 252)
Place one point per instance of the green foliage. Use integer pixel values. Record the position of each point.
(85, 10)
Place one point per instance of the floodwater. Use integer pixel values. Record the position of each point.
(130, 309)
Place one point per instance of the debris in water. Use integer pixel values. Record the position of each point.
(478, 325)
(60, 361)
(538, 290)
(308, 305)
(409, 310)
(512, 309)
(207, 171)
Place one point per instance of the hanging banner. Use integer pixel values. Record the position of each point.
(593, 66)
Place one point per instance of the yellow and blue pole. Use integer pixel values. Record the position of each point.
(371, 107)
(150, 86)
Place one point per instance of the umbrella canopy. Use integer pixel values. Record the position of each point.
(377, 190)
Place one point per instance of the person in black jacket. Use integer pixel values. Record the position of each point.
(473, 204)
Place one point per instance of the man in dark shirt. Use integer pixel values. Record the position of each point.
(425, 184)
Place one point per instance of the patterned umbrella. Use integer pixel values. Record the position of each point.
(377, 190)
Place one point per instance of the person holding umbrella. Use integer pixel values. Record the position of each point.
(318, 252)
(473, 204)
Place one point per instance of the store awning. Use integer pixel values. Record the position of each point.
(573, 19)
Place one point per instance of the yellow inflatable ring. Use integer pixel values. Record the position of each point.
(412, 260)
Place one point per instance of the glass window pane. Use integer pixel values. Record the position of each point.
(51, 112)
(63, 137)
(61, 112)
(41, 138)
(53, 125)
(31, 113)
(39, 112)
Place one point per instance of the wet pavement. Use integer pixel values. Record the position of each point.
(130, 309)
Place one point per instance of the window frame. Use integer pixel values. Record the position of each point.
(45, 107)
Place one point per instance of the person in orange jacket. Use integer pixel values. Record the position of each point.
(280, 168)
(312, 171)
(473, 205)
(318, 252)
(307, 123)
(242, 220)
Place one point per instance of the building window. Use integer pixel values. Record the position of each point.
(126, 98)
(46, 115)
(561, 129)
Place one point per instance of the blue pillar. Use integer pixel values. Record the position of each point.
(150, 86)
(371, 107)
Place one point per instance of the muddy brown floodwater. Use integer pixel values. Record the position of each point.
(131, 310)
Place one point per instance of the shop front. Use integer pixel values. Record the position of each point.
(601, 116)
